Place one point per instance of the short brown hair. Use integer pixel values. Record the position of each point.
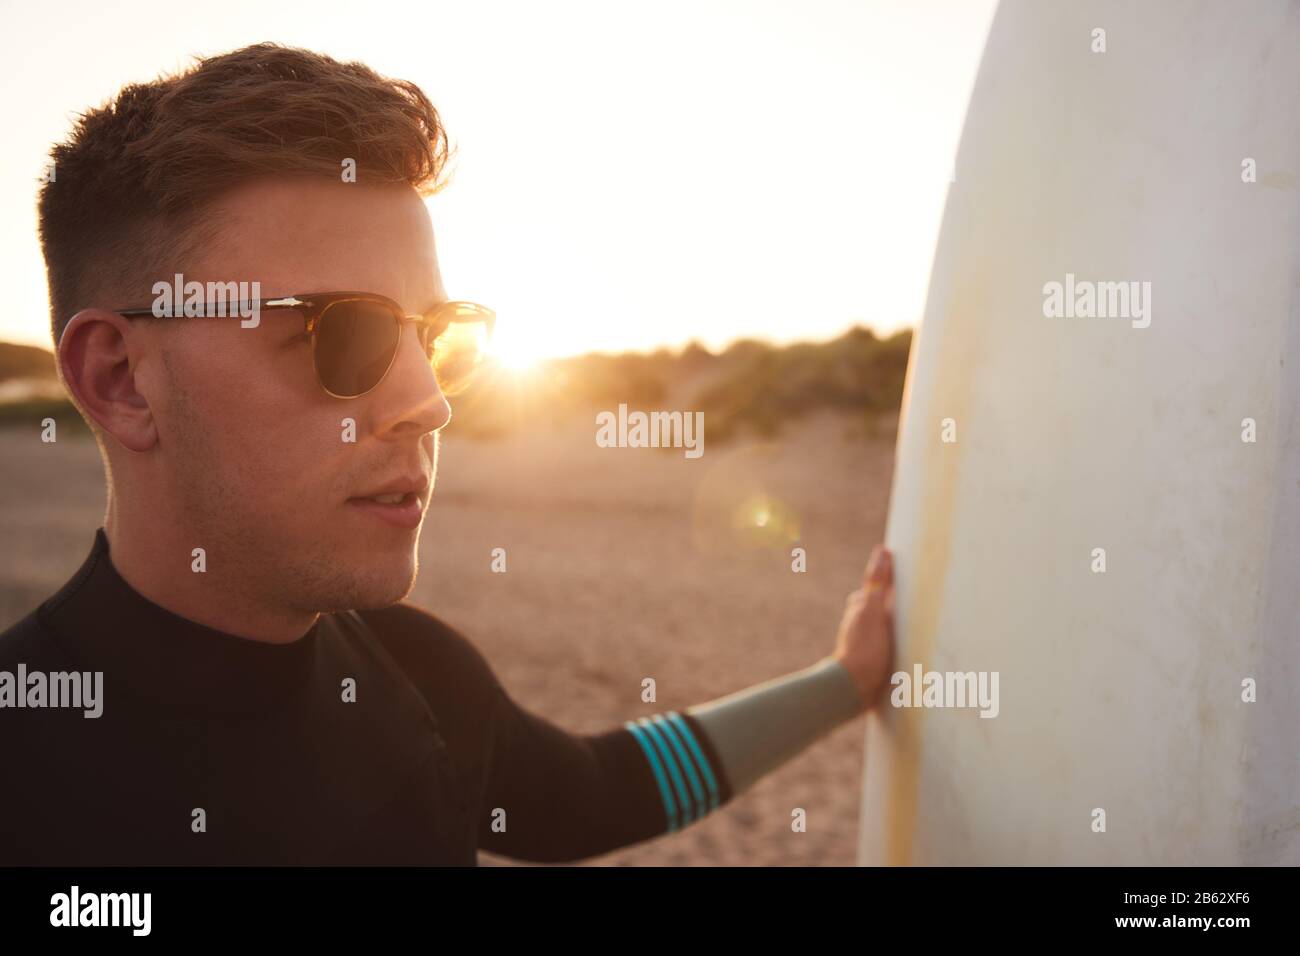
(131, 179)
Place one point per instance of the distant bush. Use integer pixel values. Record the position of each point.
(767, 386)
(25, 361)
(29, 413)
(503, 400)
(751, 384)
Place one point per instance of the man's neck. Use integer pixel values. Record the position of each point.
(164, 569)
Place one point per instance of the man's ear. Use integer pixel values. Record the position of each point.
(99, 366)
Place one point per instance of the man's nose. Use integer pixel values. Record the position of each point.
(408, 401)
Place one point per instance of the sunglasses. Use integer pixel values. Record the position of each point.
(355, 336)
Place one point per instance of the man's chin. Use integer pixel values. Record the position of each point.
(374, 590)
(369, 585)
(349, 569)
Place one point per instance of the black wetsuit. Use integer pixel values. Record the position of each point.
(431, 762)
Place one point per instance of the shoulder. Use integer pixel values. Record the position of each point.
(431, 651)
(26, 640)
(449, 672)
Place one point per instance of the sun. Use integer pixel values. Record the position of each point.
(515, 353)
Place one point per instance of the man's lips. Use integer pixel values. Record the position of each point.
(398, 502)
(391, 491)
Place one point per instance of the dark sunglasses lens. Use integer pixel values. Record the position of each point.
(355, 345)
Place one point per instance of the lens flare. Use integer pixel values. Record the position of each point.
(738, 510)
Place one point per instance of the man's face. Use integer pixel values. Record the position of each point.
(252, 450)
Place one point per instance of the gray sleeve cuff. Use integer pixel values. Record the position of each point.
(756, 730)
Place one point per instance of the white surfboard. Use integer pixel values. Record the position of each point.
(1171, 158)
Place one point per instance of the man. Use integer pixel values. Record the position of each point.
(265, 697)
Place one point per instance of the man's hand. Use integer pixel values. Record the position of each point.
(865, 643)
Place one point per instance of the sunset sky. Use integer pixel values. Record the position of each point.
(628, 175)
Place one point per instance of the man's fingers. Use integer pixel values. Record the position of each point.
(880, 570)
(873, 565)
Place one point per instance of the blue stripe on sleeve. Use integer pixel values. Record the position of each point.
(696, 790)
(670, 807)
(698, 753)
(678, 783)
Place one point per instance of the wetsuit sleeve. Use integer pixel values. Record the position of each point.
(757, 729)
(555, 796)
